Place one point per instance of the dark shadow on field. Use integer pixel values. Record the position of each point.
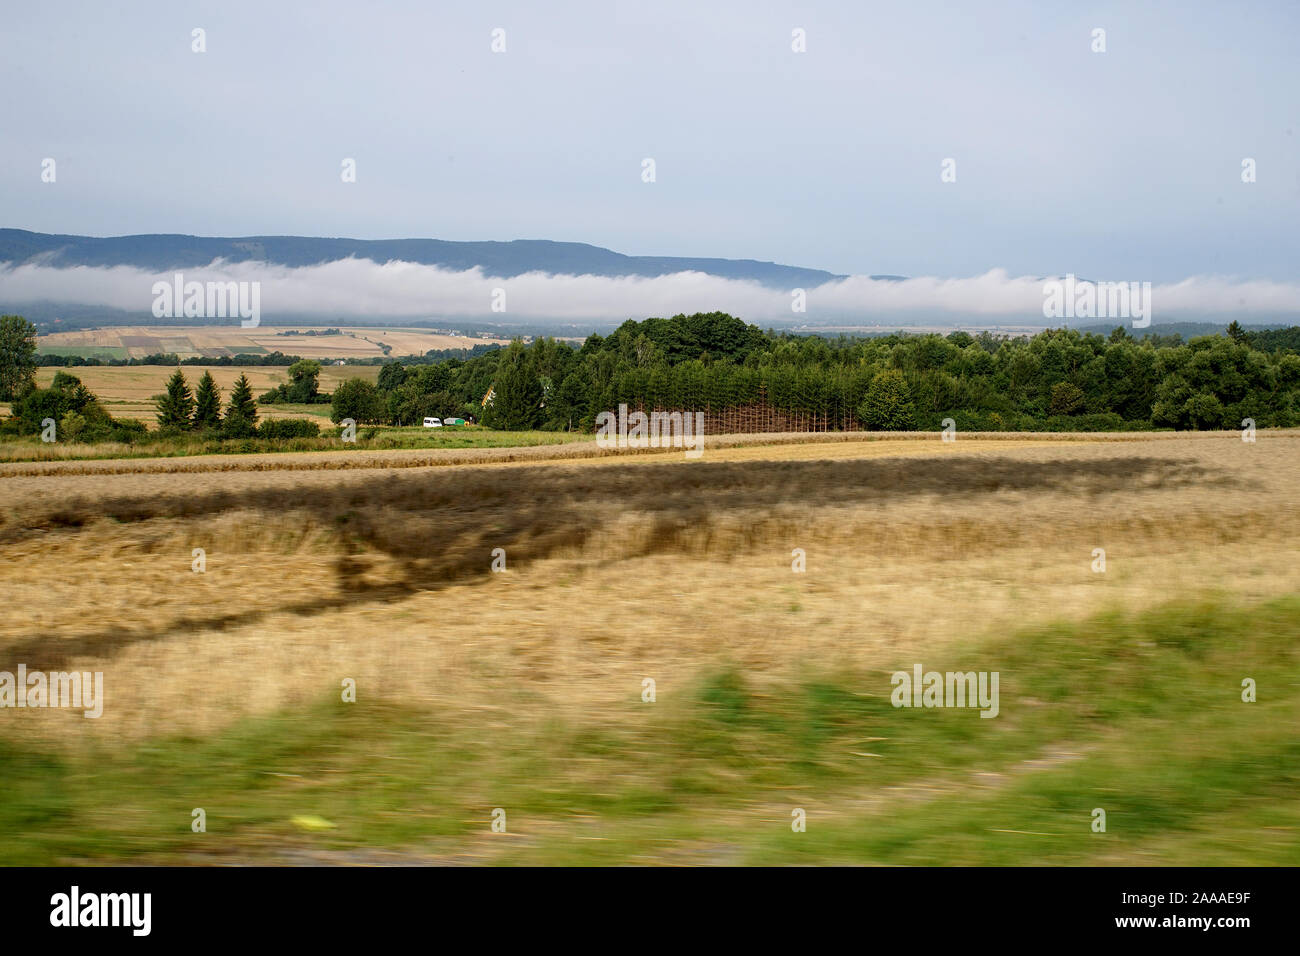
(440, 526)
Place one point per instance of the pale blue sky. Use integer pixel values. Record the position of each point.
(1120, 165)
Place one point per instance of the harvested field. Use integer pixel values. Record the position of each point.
(618, 568)
(127, 391)
(71, 458)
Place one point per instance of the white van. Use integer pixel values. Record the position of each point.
(432, 423)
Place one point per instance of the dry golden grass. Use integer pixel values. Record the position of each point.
(70, 458)
(618, 567)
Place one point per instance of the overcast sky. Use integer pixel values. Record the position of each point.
(1118, 165)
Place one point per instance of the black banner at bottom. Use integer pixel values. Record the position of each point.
(219, 904)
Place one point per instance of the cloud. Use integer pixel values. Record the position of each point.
(360, 288)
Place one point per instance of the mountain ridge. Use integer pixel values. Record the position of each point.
(160, 252)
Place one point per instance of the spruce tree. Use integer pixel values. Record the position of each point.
(207, 403)
(176, 408)
(241, 413)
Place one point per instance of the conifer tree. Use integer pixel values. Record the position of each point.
(241, 413)
(176, 408)
(207, 403)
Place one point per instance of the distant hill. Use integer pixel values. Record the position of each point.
(1188, 330)
(159, 253)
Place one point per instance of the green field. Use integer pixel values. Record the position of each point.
(101, 352)
(1139, 715)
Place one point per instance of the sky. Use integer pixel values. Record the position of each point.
(1123, 165)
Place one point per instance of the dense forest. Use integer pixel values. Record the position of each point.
(746, 379)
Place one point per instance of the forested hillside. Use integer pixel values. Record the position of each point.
(750, 380)
(160, 253)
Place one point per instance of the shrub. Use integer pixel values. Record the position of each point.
(288, 428)
(126, 430)
(236, 426)
(65, 394)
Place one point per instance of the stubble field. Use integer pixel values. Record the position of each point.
(525, 689)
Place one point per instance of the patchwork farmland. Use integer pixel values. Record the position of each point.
(216, 341)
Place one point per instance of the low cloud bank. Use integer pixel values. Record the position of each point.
(361, 288)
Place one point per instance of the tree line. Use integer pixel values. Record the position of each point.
(1056, 380)
(277, 358)
(749, 379)
(48, 359)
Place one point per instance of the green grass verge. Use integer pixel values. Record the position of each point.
(461, 436)
(299, 410)
(1139, 715)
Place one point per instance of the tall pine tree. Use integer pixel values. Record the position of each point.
(207, 403)
(176, 408)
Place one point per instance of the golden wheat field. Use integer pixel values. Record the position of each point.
(617, 570)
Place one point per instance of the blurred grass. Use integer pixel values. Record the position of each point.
(369, 438)
(1138, 714)
(464, 436)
